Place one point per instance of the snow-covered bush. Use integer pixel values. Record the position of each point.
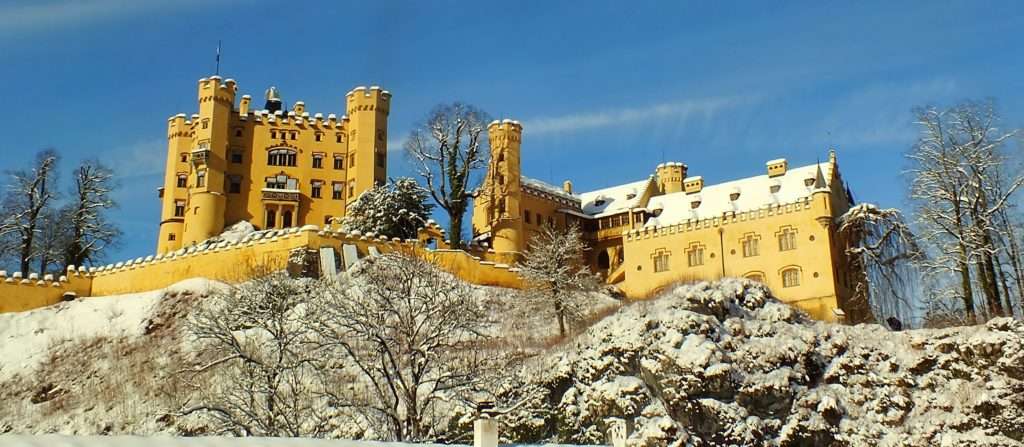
(397, 209)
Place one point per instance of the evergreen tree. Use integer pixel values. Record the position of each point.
(397, 209)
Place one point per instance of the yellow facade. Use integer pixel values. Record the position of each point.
(273, 168)
(777, 228)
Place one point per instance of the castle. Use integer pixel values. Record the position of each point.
(272, 167)
(776, 228)
(291, 175)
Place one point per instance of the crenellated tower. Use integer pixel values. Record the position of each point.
(208, 160)
(368, 138)
(670, 177)
(497, 207)
(174, 193)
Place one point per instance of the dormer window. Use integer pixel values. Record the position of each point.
(775, 188)
(631, 196)
(599, 202)
(695, 204)
(809, 181)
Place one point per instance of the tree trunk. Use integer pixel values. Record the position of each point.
(965, 284)
(455, 228)
(26, 252)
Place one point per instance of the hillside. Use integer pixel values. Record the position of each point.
(706, 364)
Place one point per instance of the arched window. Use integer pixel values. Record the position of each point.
(281, 157)
(182, 180)
(660, 258)
(791, 277)
(755, 276)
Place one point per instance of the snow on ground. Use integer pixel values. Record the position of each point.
(25, 337)
(136, 441)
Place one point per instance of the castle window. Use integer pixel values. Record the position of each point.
(775, 188)
(695, 204)
(273, 134)
(236, 157)
(551, 221)
(294, 134)
(286, 219)
(206, 124)
(734, 196)
(339, 161)
(599, 202)
(380, 135)
(234, 184)
(319, 136)
(750, 246)
(352, 161)
(327, 220)
(315, 191)
(501, 206)
(338, 138)
(791, 277)
(337, 190)
(184, 157)
(352, 188)
(171, 236)
(526, 216)
(318, 161)
(695, 255)
(179, 208)
(281, 157)
(809, 181)
(271, 218)
(182, 180)
(787, 239)
(381, 161)
(200, 179)
(238, 132)
(756, 277)
(660, 258)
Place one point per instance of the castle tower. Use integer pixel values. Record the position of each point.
(501, 207)
(204, 214)
(174, 193)
(670, 177)
(368, 138)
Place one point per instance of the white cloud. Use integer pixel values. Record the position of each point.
(682, 110)
(143, 158)
(29, 16)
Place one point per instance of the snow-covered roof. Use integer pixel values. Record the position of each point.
(548, 188)
(754, 192)
(613, 200)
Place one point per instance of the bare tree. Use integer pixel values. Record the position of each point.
(28, 196)
(884, 254)
(960, 194)
(412, 333)
(555, 274)
(89, 229)
(446, 148)
(51, 239)
(258, 341)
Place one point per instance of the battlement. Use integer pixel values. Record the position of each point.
(671, 176)
(361, 99)
(298, 120)
(215, 89)
(504, 131)
(19, 292)
(766, 211)
(505, 125)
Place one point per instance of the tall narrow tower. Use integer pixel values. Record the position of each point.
(368, 138)
(503, 186)
(174, 194)
(204, 214)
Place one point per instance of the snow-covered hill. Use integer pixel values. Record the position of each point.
(725, 364)
(706, 364)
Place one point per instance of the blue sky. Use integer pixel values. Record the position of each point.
(605, 90)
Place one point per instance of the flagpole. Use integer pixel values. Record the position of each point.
(218, 59)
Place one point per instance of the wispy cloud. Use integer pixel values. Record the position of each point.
(682, 110)
(30, 16)
(140, 159)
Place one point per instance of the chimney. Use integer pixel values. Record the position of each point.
(567, 186)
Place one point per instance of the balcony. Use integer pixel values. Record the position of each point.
(200, 155)
(280, 195)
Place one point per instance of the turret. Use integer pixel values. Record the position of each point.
(501, 207)
(368, 137)
(670, 177)
(174, 193)
(207, 159)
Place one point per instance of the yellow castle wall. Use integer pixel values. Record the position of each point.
(816, 293)
(18, 295)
